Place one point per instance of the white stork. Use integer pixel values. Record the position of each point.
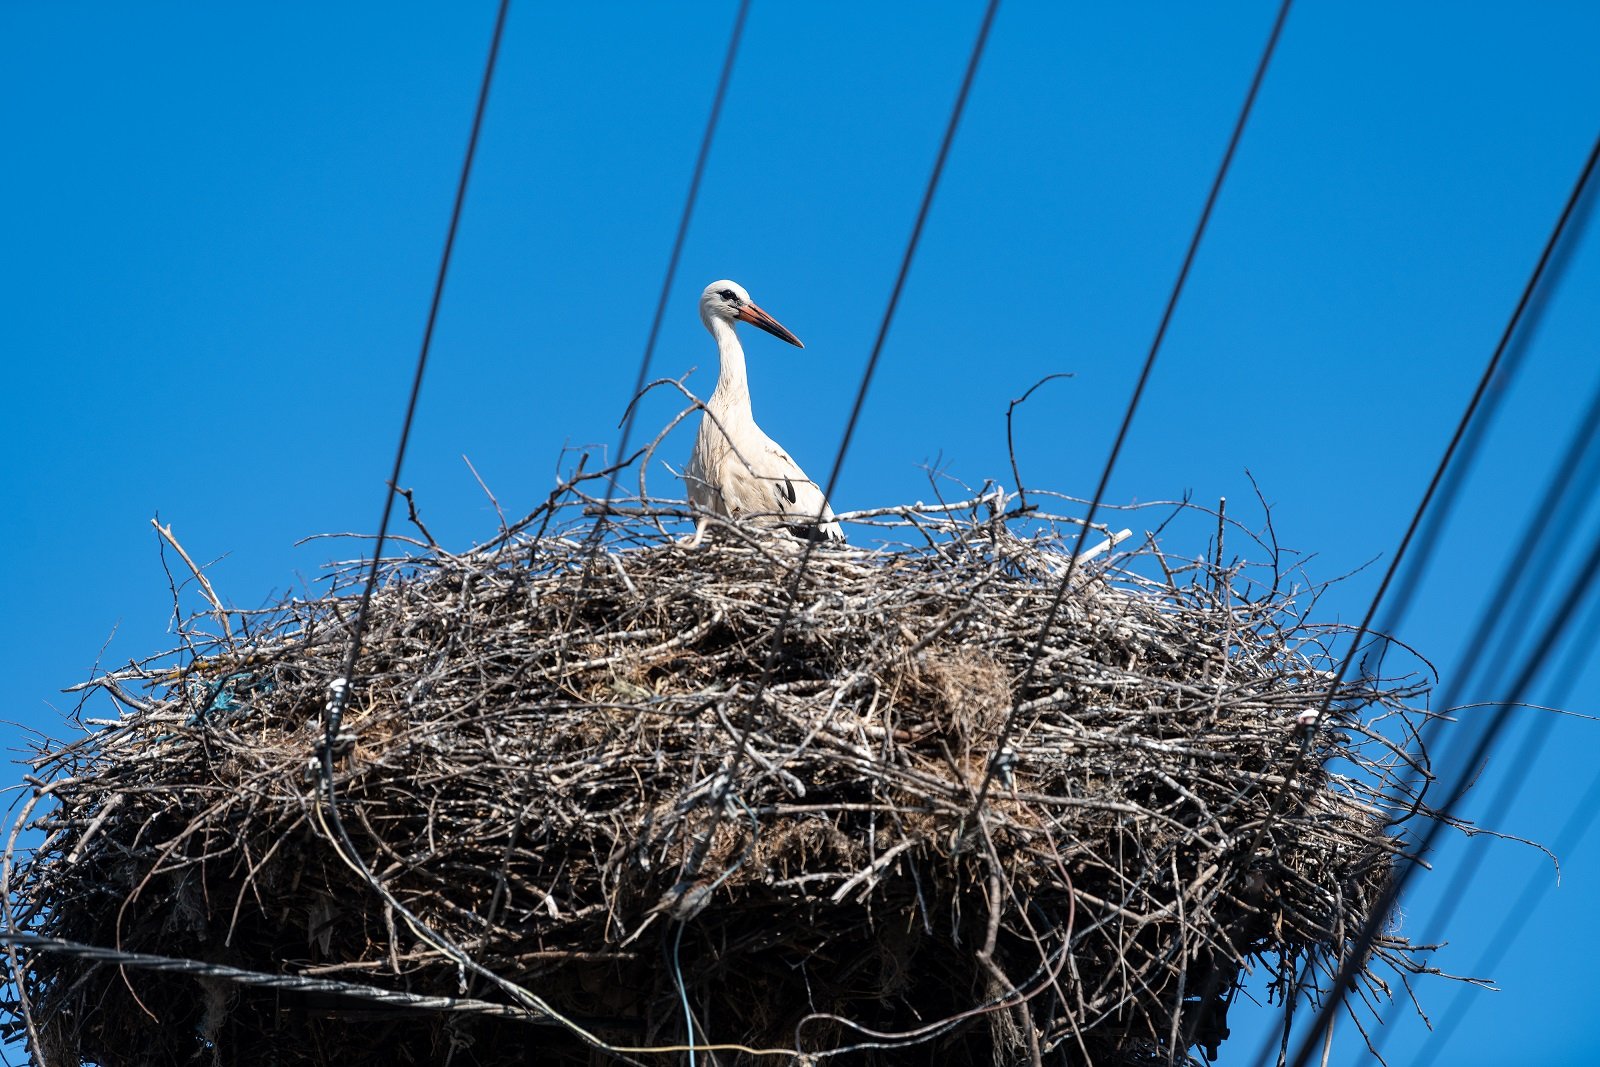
(736, 470)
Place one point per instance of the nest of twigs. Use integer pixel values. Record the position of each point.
(615, 795)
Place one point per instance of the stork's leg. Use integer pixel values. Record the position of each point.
(699, 532)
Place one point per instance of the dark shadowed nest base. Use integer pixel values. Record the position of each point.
(655, 784)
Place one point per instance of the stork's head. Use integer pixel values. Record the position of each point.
(729, 302)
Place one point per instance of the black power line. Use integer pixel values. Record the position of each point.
(689, 202)
(1567, 495)
(1000, 746)
(1356, 956)
(911, 251)
(1565, 499)
(1488, 375)
(956, 111)
(1524, 301)
(287, 983)
(1583, 816)
(340, 687)
(1557, 509)
(775, 646)
(997, 756)
(1456, 479)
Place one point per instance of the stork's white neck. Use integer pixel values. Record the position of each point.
(733, 386)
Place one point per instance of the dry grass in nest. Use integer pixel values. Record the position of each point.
(604, 777)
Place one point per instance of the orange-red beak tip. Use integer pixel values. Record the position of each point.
(756, 317)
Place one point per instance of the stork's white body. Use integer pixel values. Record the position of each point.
(736, 470)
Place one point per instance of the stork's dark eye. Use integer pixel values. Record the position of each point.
(727, 294)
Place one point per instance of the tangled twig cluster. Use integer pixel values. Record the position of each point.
(687, 796)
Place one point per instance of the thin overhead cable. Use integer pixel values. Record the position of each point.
(1546, 256)
(956, 111)
(1484, 379)
(689, 202)
(1550, 517)
(1572, 833)
(1558, 510)
(1000, 748)
(997, 756)
(775, 645)
(911, 249)
(283, 983)
(1569, 491)
(339, 689)
(1455, 479)
(1549, 638)
(1568, 495)
(1439, 472)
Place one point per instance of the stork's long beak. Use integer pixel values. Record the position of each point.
(756, 317)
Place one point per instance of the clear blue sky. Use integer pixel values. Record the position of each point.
(222, 227)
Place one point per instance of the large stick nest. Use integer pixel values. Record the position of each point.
(820, 801)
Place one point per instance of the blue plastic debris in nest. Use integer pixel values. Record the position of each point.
(230, 695)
